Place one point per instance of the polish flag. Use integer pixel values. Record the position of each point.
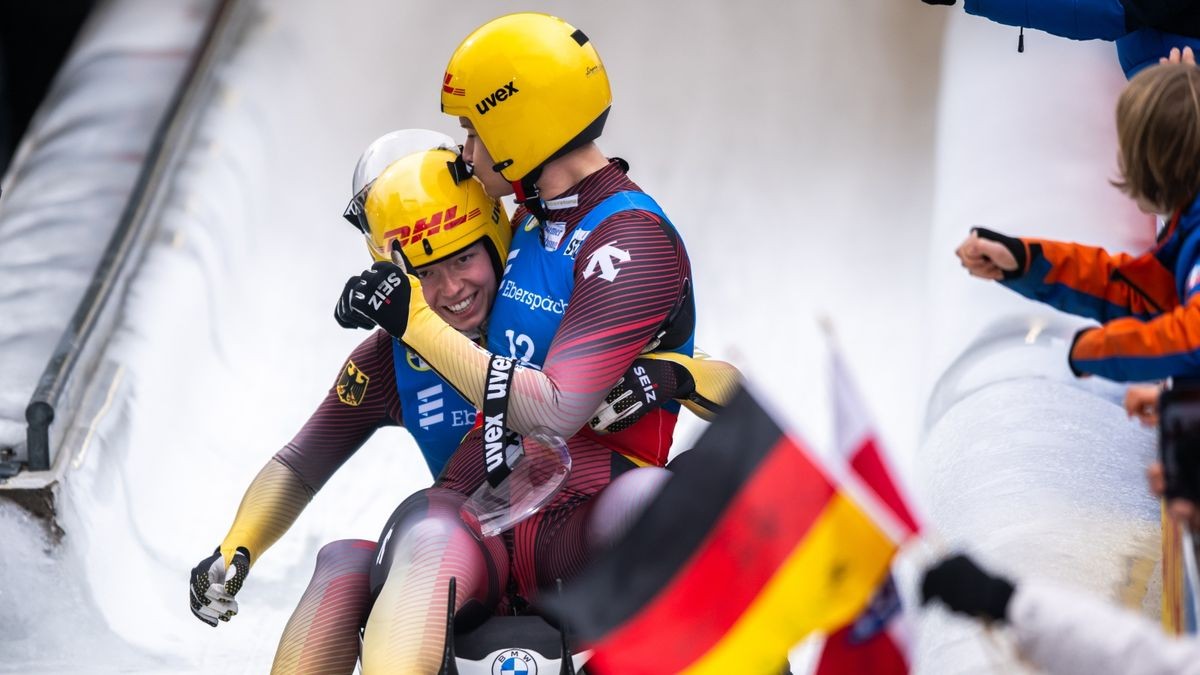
(878, 641)
(857, 444)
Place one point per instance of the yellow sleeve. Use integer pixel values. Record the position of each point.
(715, 381)
(274, 501)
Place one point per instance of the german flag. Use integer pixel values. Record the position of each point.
(749, 547)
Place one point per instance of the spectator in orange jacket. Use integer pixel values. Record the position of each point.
(1148, 304)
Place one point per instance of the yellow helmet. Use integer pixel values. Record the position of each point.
(422, 206)
(380, 154)
(533, 87)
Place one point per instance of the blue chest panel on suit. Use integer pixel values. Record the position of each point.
(433, 412)
(540, 277)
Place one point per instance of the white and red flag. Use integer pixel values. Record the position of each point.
(877, 642)
(856, 441)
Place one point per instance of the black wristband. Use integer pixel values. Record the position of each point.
(496, 436)
(1014, 245)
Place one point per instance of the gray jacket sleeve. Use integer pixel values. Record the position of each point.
(1066, 632)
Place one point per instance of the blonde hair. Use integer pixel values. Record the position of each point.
(1158, 133)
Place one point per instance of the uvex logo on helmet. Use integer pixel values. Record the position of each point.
(429, 226)
(496, 98)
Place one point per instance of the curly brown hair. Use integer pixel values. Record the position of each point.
(1158, 133)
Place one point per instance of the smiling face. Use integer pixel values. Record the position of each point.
(481, 162)
(461, 288)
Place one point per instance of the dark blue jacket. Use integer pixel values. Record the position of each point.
(1144, 30)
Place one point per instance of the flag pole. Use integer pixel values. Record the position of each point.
(928, 546)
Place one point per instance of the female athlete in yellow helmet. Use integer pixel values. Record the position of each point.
(382, 383)
(413, 196)
(596, 275)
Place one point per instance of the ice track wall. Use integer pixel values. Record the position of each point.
(1035, 471)
(799, 179)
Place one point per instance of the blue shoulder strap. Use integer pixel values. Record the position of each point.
(640, 201)
(622, 201)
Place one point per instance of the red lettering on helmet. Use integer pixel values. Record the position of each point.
(451, 221)
(400, 233)
(451, 90)
(427, 226)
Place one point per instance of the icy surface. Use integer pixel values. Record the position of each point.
(1059, 495)
(72, 178)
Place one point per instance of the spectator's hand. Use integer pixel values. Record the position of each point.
(1141, 401)
(989, 255)
(380, 296)
(1176, 56)
(1182, 511)
(211, 587)
(1154, 476)
(965, 588)
(1185, 513)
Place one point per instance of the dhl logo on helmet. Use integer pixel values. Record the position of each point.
(429, 226)
(490, 101)
(451, 90)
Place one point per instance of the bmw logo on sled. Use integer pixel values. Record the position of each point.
(508, 645)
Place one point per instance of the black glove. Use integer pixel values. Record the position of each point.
(647, 385)
(1015, 246)
(949, 3)
(377, 297)
(965, 588)
(211, 587)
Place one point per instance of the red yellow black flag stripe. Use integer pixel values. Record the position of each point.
(748, 548)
